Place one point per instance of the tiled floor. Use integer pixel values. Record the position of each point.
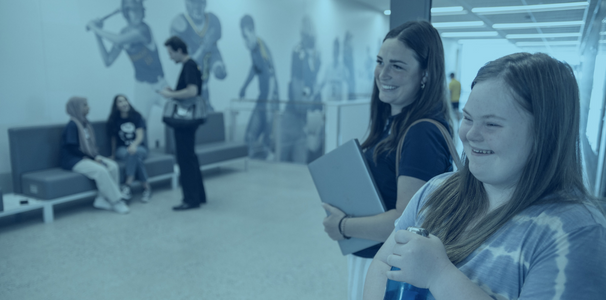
(259, 237)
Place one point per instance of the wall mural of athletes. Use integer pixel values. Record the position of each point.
(282, 51)
(302, 122)
(201, 31)
(348, 61)
(333, 86)
(136, 39)
(259, 132)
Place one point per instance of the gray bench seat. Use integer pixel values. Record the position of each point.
(211, 146)
(56, 183)
(36, 173)
(213, 153)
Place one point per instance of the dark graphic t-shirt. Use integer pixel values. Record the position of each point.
(125, 130)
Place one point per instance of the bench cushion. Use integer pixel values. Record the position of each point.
(54, 183)
(156, 164)
(217, 152)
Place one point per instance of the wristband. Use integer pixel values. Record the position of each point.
(340, 230)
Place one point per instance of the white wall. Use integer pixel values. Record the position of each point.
(47, 55)
(476, 53)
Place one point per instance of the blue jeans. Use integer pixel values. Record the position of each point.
(133, 162)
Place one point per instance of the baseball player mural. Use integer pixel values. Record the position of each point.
(201, 31)
(136, 39)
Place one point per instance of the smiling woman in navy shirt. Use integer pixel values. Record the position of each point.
(409, 85)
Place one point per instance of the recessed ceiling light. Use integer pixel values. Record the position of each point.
(542, 35)
(469, 34)
(387, 12)
(448, 11)
(539, 44)
(483, 41)
(528, 8)
(537, 24)
(458, 24)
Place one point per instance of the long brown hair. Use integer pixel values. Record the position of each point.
(114, 115)
(547, 89)
(425, 41)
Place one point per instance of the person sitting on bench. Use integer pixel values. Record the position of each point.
(79, 154)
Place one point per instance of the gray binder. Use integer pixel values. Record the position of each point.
(343, 180)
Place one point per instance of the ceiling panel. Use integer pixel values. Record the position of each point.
(489, 20)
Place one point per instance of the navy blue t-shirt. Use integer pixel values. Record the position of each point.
(125, 130)
(70, 153)
(424, 155)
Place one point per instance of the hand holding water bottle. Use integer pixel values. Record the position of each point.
(421, 259)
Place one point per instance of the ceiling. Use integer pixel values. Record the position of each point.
(559, 36)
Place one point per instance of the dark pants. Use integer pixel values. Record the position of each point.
(191, 177)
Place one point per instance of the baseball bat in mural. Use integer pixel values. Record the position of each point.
(259, 132)
(111, 14)
(136, 39)
(201, 31)
(302, 123)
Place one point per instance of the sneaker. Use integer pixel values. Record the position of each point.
(102, 203)
(120, 207)
(126, 194)
(146, 195)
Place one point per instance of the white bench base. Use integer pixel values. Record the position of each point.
(12, 206)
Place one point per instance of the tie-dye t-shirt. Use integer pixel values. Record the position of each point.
(549, 251)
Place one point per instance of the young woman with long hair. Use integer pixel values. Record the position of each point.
(126, 130)
(516, 222)
(409, 85)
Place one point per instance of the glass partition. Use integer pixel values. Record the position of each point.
(299, 132)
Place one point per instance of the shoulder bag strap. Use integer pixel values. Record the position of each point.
(445, 134)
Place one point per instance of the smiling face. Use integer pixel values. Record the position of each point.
(496, 133)
(398, 75)
(122, 104)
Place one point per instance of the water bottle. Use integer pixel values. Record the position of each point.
(396, 290)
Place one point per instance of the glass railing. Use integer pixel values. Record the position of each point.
(296, 131)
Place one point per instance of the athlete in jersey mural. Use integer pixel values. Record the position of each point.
(259, 132)
(201, 30)
(302, 135)
(333, 86)
(137, 41)
(348, 61)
